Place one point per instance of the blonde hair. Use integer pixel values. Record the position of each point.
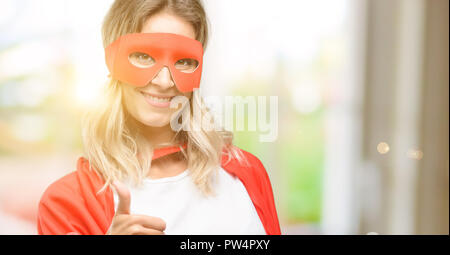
(113, 145)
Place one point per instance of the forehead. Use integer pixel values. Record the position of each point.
(165, 22)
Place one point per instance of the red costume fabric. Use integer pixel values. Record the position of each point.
(71, 204)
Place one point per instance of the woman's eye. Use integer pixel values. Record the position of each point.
(186, 65)
(140, 59)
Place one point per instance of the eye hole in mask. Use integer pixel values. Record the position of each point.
(186, 65)
(141, 60)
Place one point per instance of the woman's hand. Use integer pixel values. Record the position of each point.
(125, 223)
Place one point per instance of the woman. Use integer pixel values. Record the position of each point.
(140, 175)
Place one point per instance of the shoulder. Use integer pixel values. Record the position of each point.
(243, 164)
(68, 186)
(235, 154)
(252, 159)
(72, 204)
(257, 182)
(56, 203)
(60, 189)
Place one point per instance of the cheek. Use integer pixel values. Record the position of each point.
(131, 102)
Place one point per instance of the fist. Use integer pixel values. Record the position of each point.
(124, 223)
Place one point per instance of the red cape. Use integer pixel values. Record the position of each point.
(70, 205)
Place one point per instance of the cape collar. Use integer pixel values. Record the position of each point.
(160, 152)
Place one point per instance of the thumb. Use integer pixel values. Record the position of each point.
(124, 198)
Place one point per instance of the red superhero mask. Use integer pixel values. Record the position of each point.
(137, 58)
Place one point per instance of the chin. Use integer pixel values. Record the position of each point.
(155, 120)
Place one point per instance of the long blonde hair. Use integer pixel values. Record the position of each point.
(114, 146)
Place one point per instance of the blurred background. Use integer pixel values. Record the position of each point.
(363, 105)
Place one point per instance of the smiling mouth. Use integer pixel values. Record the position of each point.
(157, 100)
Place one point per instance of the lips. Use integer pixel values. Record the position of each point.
(157, 100)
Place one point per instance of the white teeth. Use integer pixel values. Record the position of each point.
(158, 99)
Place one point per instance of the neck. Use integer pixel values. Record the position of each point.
(159, 136)
(169, 165)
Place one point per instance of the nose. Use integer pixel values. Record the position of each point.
(164, 78)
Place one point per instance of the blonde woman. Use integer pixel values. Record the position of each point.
(140, 175)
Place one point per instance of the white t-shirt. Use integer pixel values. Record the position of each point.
(187, 211)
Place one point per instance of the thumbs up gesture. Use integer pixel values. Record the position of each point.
(125, 223)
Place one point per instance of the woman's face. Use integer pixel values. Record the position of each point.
(149, 105)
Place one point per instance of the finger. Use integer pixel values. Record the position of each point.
(124, 198)
(150, 222)
(141, 230)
